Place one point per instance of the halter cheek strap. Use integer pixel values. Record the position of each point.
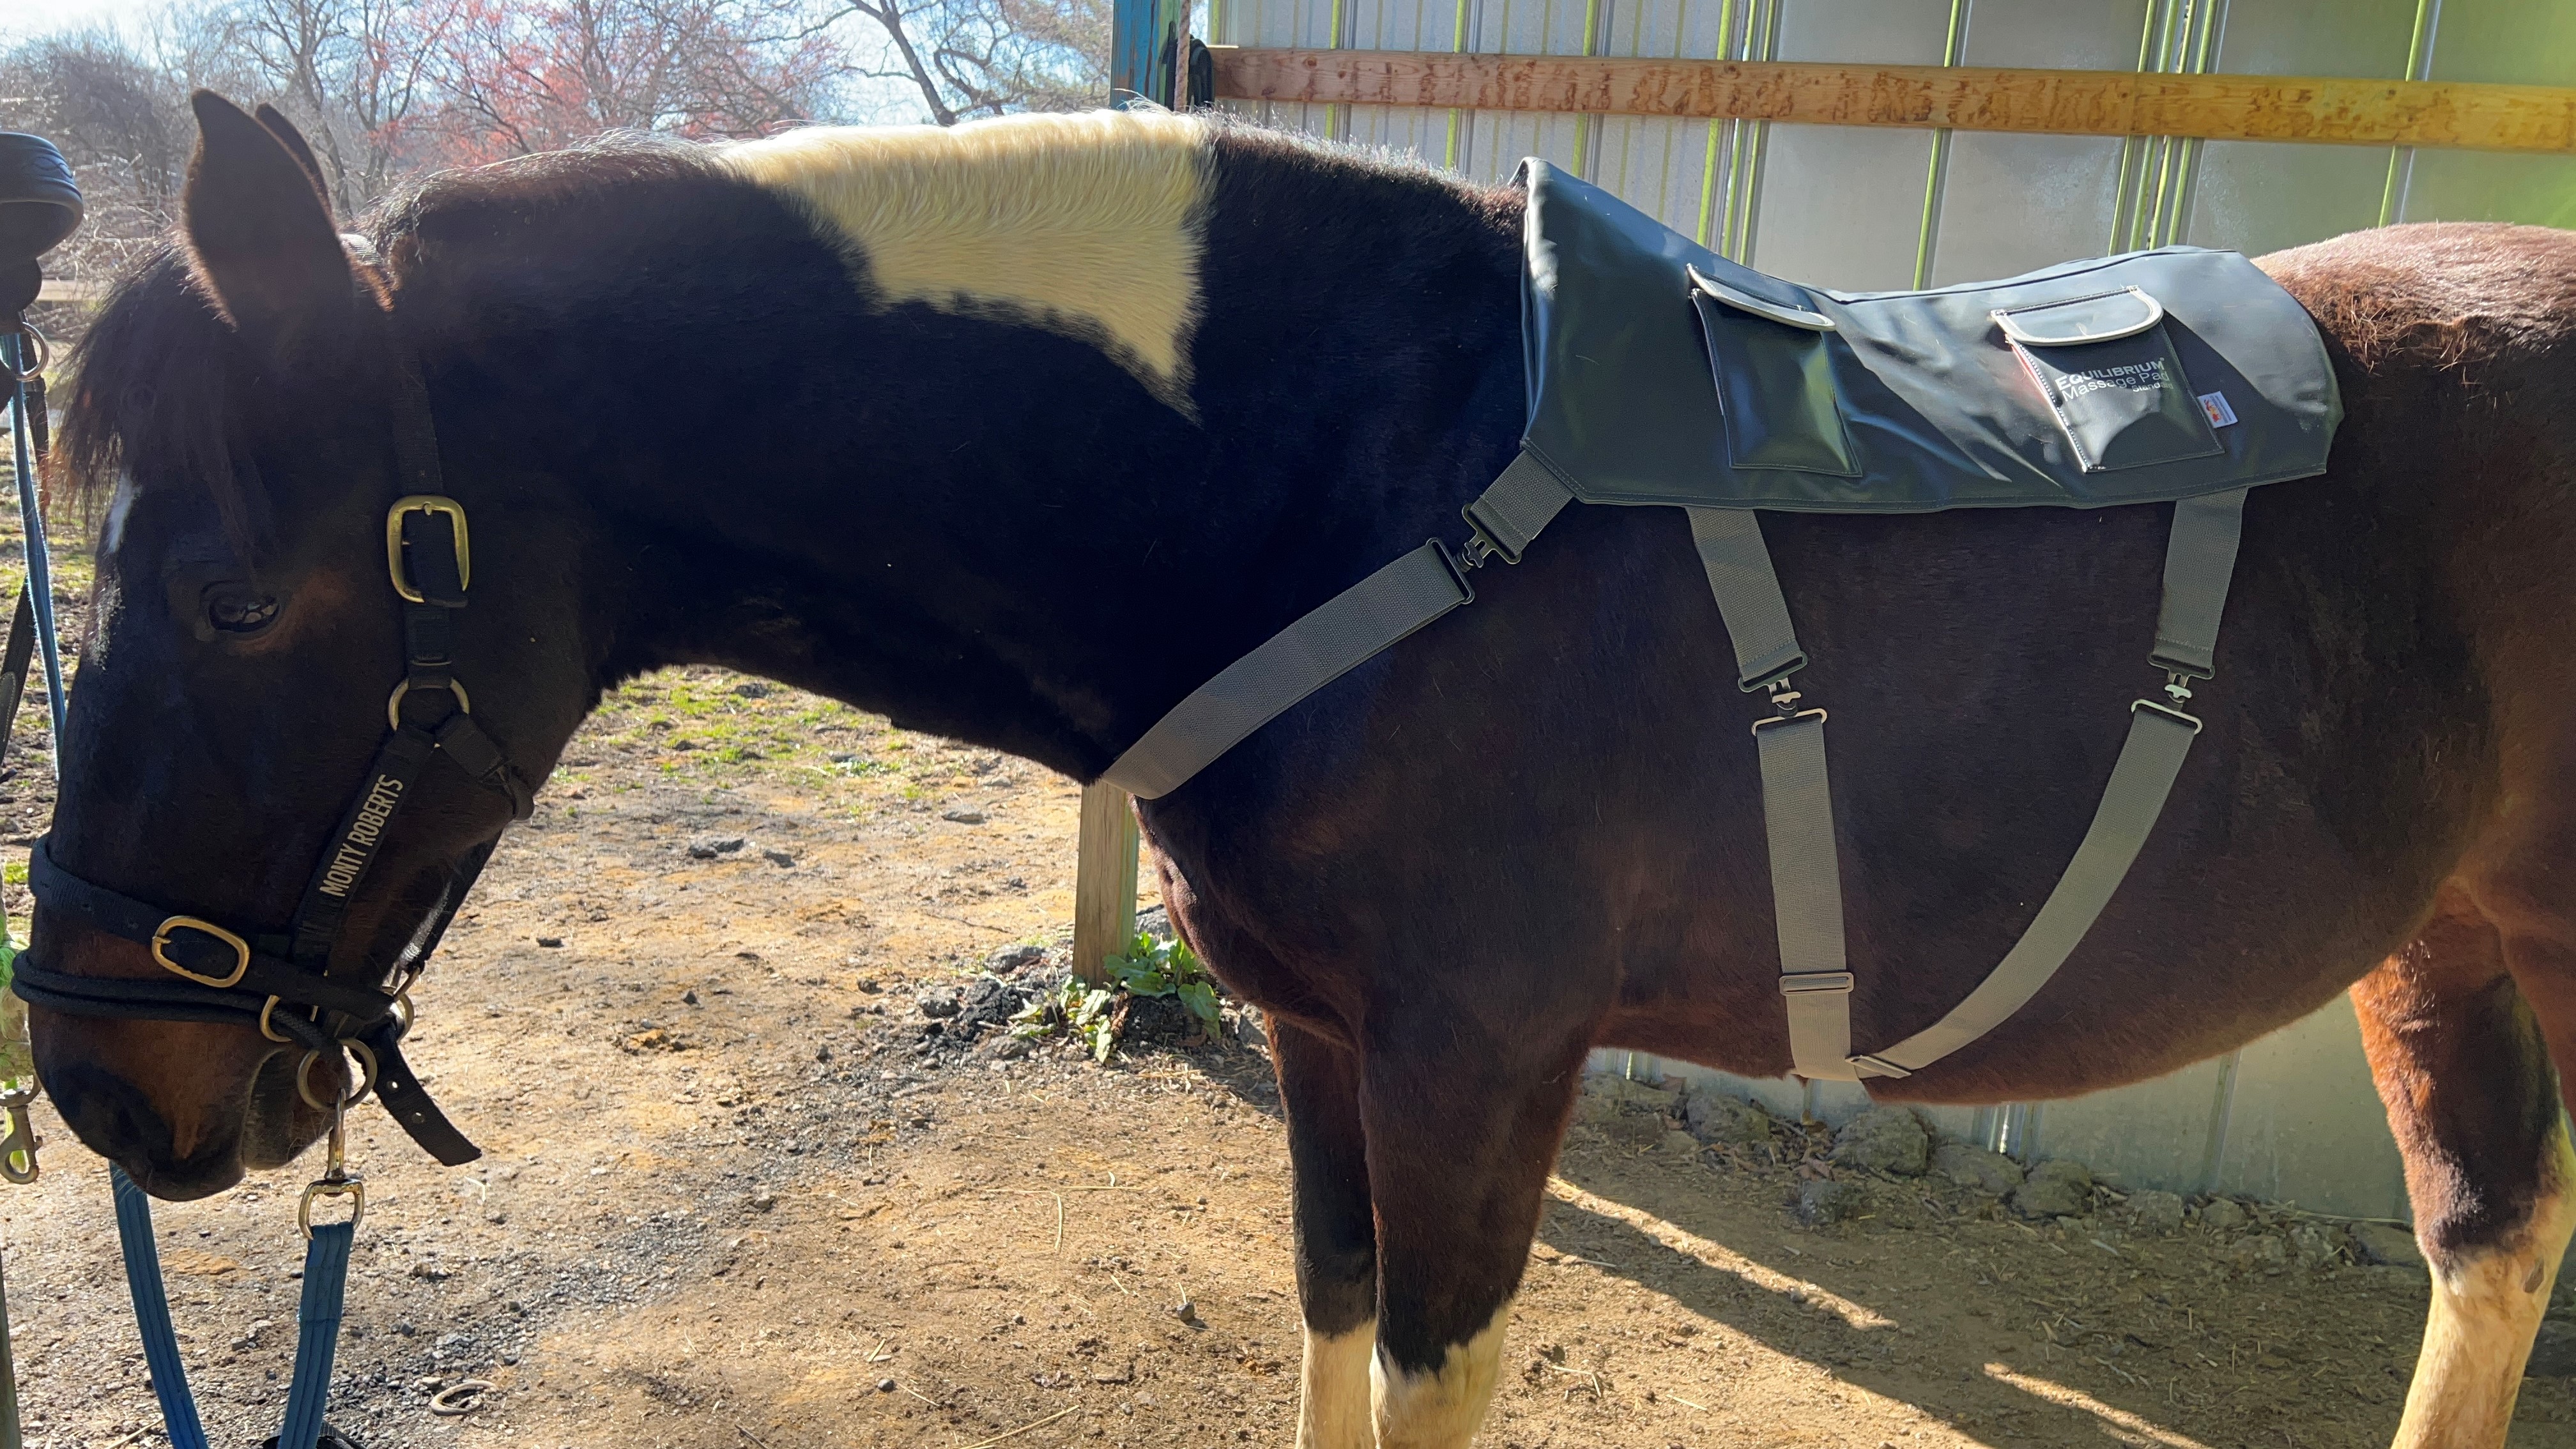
(277, 981)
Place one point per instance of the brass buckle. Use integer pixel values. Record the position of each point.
(161, 955)
(350, 1187)
(424, 503)
(393, 705)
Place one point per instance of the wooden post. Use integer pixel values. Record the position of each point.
(1104, 880)
(1140, 39)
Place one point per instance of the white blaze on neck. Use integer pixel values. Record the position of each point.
(1084, 224)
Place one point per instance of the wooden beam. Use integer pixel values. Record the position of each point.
(1104, 880)
(1967, 98)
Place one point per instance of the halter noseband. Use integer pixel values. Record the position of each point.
(275, 981)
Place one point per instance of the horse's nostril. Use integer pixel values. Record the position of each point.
(115, 1119)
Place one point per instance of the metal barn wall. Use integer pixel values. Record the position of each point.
(2292, 1116)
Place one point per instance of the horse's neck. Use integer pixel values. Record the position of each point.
(1021, 525)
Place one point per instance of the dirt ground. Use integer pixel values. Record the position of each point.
(740, 1194)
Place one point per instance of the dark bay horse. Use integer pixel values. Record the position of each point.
(903, 417)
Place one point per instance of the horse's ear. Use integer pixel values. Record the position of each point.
(262, 241)
(296, 146)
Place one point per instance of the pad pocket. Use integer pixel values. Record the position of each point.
(1774, 369)
(2107, 367)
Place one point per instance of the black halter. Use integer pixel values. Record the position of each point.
(275, 980)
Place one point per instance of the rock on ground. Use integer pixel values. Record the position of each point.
(1626, 1111)
(2224, 1214)
(1819, 1202)
(2155, 1212)
(2058, 1188)
(1716, 1116)
(2381, 1243)
(1884, 1139)
(1972, 1166)
(2314, 1245)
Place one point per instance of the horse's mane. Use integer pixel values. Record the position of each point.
(160, 384)
(151, 394)
(157, 380)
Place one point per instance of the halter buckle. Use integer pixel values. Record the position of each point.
(161, 953)
(430, 503)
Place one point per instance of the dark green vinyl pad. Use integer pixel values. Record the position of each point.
(1660, 372)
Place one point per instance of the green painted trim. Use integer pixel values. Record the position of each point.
(2419, 66)
(1927, 227)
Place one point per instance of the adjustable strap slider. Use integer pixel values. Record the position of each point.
(1794, 983)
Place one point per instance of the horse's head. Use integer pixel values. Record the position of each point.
(251, 400)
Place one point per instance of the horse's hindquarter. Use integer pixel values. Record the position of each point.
(1546, 810)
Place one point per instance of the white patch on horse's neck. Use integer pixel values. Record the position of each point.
(120, 506)
(1083, 224)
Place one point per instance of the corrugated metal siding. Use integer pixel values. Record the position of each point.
(2292, 1116)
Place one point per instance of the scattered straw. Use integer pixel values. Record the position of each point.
(1024, 1428)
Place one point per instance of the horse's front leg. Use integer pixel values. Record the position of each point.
(2465, 1072)
(1319, 1088)
(1462, 1132)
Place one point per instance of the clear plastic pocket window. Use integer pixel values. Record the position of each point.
(2107, 367)
(1775, 381)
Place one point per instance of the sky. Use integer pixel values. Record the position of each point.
(35, 17)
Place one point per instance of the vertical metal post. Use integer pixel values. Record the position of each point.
(40, 573)
(1140, 32)
(40, 589)
(1104, 880)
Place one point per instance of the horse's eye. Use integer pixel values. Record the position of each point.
(239, 611)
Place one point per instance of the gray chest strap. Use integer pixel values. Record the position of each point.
(1797, 803)
(1338, 635)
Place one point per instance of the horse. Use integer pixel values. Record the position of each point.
(895, 416)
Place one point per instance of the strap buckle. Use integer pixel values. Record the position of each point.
(428, 503)
(1782, 697)
(161, 951)
(1796, 983)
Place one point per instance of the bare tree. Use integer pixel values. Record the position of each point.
(122, 123)
(986, 57)
(516, 79)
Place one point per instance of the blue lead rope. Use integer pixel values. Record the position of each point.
(317, 1343)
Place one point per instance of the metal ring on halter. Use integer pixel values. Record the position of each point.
(304, 1077)
(265, 1008)
(393, 706)
(44, 357)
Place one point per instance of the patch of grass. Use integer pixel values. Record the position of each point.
(1094, 1013)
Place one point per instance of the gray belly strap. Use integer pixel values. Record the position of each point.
(1797, 802)
(1662, 374)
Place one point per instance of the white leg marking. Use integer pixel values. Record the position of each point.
(1333, 1390)
(1440, 1410)
(2486, 1308)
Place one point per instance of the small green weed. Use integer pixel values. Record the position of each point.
(1095, 1013)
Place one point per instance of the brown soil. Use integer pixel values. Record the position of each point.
(733, 1201)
